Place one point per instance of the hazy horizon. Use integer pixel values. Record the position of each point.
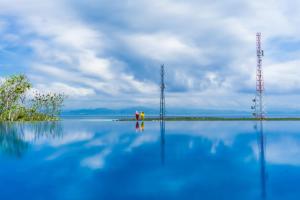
(107, 54)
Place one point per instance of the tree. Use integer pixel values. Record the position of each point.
(49, 104)
(12, 95)
(12, 102)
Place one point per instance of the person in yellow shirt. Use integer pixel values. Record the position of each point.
(142, 116)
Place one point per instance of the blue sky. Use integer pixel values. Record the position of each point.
(105, 53)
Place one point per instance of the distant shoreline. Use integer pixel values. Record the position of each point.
(213, 119)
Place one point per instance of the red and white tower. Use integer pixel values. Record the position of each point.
(258, 107)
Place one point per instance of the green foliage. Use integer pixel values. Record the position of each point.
(12, 94)
(13, 99)
(48, 104)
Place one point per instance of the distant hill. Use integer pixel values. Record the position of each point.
(176, 112)
(105, 111)
(151, 111)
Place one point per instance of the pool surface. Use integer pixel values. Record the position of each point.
(102, 159)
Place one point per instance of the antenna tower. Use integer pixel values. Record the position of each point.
(162, 94)
(258, 107)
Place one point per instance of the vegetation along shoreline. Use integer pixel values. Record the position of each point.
(19, 102)
(212, 119)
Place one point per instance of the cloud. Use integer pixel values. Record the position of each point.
(67, 139)
(112, 51)
(279, 76)
(277, 153)
(161, 47)
(141, 140)
(65, 89)
(96, 161)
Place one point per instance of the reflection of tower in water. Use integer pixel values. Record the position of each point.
(262, 161)
(162, 141)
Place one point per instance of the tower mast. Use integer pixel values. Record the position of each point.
(162, 93)
(258, 107)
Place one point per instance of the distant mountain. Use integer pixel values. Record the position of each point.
(105, 111)
(151, 111)
(175, 112)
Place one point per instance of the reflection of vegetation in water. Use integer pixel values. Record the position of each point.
(12, 139)
(12, 135)
(47, 129)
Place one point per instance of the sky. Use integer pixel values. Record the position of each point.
(107, 53)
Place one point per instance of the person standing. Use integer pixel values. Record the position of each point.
(142, 116)
(137, 115)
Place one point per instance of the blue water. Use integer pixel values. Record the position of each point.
(101, 159)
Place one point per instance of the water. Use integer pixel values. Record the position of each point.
(101, 159)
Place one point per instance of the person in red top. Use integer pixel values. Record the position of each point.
(137, 115)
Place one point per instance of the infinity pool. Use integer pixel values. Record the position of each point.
(102, 159)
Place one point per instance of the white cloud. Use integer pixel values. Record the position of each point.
(162, 47)
(283, 77)
(55, 141)
(97, 161)
(283, 150)
(65, 89)
(141, 140)
(208, 48)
